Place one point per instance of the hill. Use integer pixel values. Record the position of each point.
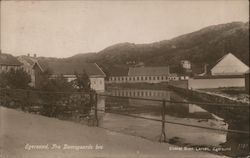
(203, 46)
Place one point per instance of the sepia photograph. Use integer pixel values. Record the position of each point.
(124, 79)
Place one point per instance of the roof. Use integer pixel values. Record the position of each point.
(9, 60)
(68, 68)
(149, 71)
(29, 60)
(230, 63)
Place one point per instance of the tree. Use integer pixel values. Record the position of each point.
(56, 84)
(54, 90)
(16, 79)
(82, 81)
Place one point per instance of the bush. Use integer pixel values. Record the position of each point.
(15, 79)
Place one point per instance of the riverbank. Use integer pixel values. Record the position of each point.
(206, 96)
(27, 135)
(149, 86)
(233, 93)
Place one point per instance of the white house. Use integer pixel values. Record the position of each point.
(228, 72)
(186, 64)
(229, 65)
(8, 62)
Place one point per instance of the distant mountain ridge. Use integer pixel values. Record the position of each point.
(206, 45)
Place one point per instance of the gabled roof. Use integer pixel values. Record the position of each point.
(68, 68)
(29, 60)
(9, 60)
(229, 62)
(148, 71)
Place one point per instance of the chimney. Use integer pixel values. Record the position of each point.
(28, 54)
(34, 55)
(205, 70)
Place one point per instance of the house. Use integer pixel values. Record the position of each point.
(143, 74)
(173, 77)
(229, 65)
(27, 65)
(228, 71)
(186, 64)
(69, 71)
(8, 62)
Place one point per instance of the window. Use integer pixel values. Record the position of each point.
(141, 78)
(100, 81)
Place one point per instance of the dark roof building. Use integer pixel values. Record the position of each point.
(8, 60)
(149, 71)
(69, 70)
(65, 68)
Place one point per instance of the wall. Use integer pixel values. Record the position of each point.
(215, 83)
(46, 103)
(97, 84)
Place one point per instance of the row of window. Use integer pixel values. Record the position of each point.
(138, 78)
(140, 93)
(7, 68)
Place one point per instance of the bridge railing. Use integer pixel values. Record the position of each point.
(30, 97)
(164, 121)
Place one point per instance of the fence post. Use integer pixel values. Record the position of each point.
(27, 102)
(163, 134)
(95, 102)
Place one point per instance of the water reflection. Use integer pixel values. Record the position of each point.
(181, 113)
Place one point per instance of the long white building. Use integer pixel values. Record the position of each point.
(143, 74)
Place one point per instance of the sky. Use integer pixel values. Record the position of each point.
(65, 28)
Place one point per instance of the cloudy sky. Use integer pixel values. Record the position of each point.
(65, 28)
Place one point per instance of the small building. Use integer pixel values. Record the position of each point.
(186, 64)
(229, 65)
(173, 77)
(27, 65)
(69, 71)
(8, 62)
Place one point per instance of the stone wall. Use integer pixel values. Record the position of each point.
(46, 103)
